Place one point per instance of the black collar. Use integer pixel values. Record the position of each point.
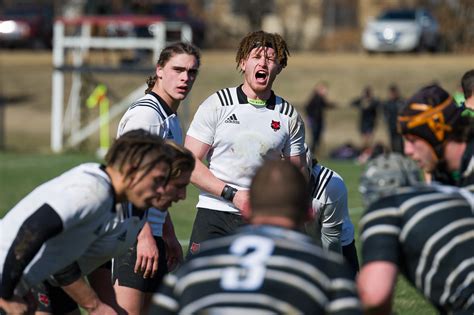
(244, 100)
(164, 105)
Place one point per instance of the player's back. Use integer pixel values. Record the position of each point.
(262, 269)
(429, 232)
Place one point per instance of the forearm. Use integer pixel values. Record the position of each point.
(146, 232)
(203, 178)
(168, 228)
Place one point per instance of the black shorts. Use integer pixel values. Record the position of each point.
(51, 299)
(350, 254)
(123, 269)
(210, 224)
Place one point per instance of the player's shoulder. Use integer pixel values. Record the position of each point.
(285, 108)
(148, 106)
(326, 181)
(222, 98)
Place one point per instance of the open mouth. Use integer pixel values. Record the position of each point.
(261, 76)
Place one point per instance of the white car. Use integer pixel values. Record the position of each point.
(401, 30)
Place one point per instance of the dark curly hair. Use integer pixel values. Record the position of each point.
(263, 39)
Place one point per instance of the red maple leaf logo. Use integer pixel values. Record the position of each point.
(195, 248)
(275, 125)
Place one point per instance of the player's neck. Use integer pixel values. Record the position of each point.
(256, 95)
(272, 220)
(118, 183)
(453, 152)
(172, 103)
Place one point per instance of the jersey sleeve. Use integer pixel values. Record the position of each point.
(295, 143)
(141, 117)
(380, 228)
(204, 124)
(80, 203)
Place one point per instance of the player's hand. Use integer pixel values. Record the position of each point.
(242, 201)
(15, 305)
(101, 309)
(174, 252)
(147, 255)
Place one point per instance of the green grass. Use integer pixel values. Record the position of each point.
(19, 174)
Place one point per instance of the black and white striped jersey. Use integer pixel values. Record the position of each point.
(260, 270)
(329, 202)
(152, 114)
(242, 136)
(428, 231)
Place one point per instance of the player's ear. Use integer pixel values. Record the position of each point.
(159, 72)
(243, 62)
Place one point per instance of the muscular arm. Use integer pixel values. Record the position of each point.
(376, 283)
(203, 178)
(300, 162)
(174, 251)
(42, 225)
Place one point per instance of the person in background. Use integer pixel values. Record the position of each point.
(267, 267)
(315, 111)
(391, 107)
(425, 232)
(367, 104)
(467, 84)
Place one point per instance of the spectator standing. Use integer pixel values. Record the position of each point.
(367, 104)
(391, 107)
(315, 110)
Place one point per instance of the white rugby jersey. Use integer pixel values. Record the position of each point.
(152, 114)
(329, 195)
(242, 136)
(84, 199)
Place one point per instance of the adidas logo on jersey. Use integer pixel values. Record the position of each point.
(232, 119)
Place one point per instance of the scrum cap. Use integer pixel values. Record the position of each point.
(384, 174)
(430, 114)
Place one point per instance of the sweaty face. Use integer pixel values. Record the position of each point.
(177, 77)
(421, 152)
(174, 191)
(146, 190)
(260, 70)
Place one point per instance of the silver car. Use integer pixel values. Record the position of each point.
(401, 30)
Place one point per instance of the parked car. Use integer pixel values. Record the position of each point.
(402, 30)
(27, 26)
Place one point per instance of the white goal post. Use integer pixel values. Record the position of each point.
(66, 129)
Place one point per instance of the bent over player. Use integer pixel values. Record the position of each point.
(267, 267)
(424, 232)
(58, 222)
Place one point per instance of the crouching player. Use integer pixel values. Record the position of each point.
(57, 225)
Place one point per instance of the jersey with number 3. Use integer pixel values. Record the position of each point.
(261, 270)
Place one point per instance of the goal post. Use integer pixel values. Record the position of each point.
(66, 128)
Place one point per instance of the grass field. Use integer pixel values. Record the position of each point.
(20, 173)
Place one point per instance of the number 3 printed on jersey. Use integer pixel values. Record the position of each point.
(253, 252)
